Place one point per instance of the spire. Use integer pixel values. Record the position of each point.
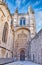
(0, 0)
(31, 9)
(16, 10)
(3, 1)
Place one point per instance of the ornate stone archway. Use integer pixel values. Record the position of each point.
(21, 46)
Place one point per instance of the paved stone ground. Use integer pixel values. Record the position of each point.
(22, 63)
(6, 60)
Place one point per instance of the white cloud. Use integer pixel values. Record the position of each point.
(18, 2)
(38, 16)
(26, 6)
(36, 3)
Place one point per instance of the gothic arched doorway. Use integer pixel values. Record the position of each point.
(22, 55)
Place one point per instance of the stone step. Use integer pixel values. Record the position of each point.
(22, 63)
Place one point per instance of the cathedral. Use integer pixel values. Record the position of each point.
(18, 37)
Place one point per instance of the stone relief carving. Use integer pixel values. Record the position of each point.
(22, 35)
(21, 38)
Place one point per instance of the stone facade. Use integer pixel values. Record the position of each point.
(18, 38)
(15, 32)
(5, 19)
(24, 31)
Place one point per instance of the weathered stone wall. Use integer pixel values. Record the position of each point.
(5, 46)
(36, 48)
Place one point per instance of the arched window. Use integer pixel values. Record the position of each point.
(22, 21)
(5, 32)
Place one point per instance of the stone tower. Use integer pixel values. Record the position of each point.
(15, 18)
(22, 35)
(32, 22)
(3, 1)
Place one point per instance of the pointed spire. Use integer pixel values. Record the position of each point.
(4, 1)
(31, 9)
(16, 10)
(0, 0)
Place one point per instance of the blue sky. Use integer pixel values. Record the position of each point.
(23, 8)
